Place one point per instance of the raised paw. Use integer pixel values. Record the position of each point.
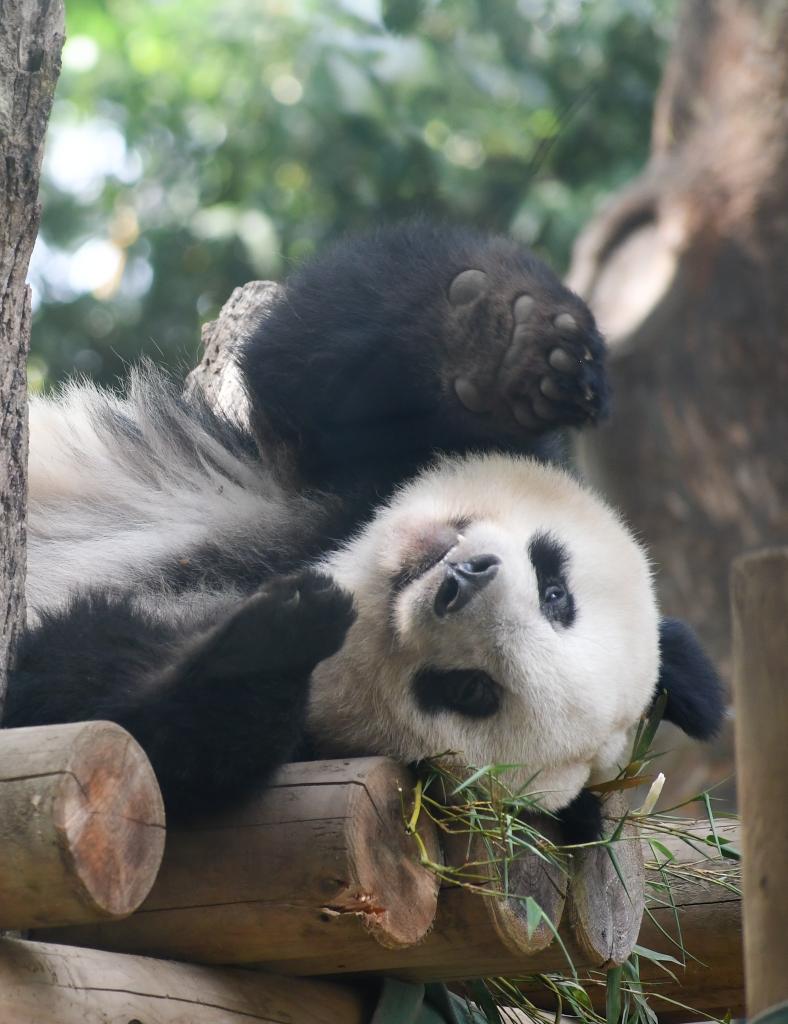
(521, 349)
(291, 623)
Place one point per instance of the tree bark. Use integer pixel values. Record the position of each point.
(216, 373)
(686, 272)
(31, 38)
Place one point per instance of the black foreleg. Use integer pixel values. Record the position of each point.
(217, 707)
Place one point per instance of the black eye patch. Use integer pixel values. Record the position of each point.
(466, 691)
(550, 561)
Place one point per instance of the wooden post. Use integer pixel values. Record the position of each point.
(709, 915)
(81, 824)
(319, 868)
(759, 592)
(43, 984)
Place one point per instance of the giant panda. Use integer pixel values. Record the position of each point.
(388, 559)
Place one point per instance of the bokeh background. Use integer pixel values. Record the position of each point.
(196, 145)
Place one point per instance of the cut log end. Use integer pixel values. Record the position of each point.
(81, 824)
(110, 815)
(397, 895)
(605, 908)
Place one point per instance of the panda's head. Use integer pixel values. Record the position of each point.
(504, 613)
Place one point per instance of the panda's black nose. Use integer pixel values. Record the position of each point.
(463, 580)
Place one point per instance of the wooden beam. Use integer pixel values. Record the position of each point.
(81, 824)
(319, 867)
(759, 592)
(43, 984)
(318, 876)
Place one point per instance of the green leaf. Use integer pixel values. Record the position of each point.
(533, 915)
(655, 844)
(657, 957)
(613, 995)
(483, 997)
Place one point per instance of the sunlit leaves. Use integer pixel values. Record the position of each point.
(306, 118)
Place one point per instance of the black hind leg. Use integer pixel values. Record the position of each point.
(217, 707)
(420, 338)
(581, 820)
(525, 352)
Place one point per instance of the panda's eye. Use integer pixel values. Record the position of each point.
(550, 560)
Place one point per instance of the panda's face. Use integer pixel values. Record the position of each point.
(504, 613)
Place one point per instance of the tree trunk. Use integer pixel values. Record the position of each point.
(685, 270)
(31, 38)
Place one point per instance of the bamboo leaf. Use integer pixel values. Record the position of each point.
(483, 997)
(613, 995)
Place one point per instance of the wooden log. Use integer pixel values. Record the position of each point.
(476, 935)
(81, 824)
(759, 591)
(280, 885)
(472, 933)
(303, 880)
(319, 867)
(605, 908)
(49, 984)
(710, 930)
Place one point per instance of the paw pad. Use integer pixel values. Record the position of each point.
(468, 286)
(550, 389)
(523, 307)
(564, 361)
(523, 358)
(565, 322)
(470, 396)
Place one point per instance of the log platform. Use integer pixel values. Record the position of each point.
(318, 876)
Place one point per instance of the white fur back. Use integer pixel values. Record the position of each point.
(122, 484)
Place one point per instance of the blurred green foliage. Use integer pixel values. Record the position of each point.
(196, 144)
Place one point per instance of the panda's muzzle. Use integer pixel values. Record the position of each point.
(462, 581)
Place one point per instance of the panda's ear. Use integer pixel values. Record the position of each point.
(696, 699)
